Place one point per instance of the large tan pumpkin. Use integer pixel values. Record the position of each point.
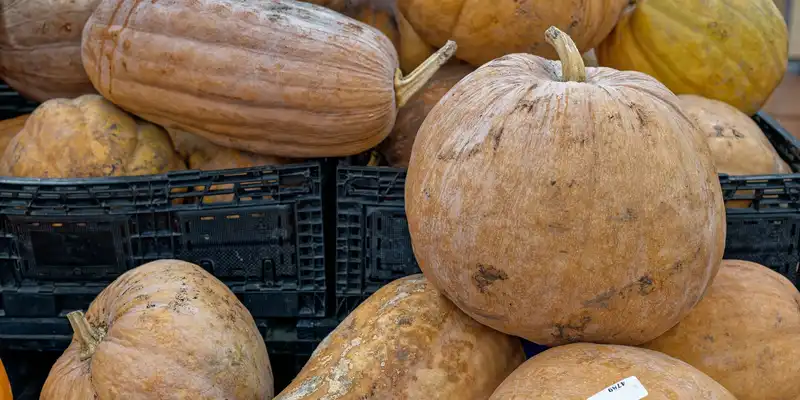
(533, 195)
(582, 370)
(9, 128)
(87, 137)
(744, 333)
(335, 92)
(729, 50)
(484, 32)
(40, 47)
(397, 147)
(165, 330)
(737, 144)
(407, 342)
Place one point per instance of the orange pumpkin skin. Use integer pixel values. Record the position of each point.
(164, 330)
(485, 32)
(512, 198)
(87, 137)
(397, 147)
(5, 385)
(40, 47)
(9, 128)
(744, 333)
(579, 371)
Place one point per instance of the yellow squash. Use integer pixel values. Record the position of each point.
(729, 50)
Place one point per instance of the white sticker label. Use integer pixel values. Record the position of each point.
(627, 389)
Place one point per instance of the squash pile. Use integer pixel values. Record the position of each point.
(562, 187)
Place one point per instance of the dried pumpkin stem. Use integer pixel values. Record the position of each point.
(88, 336)
(374, 159)
(405, 87)
(572, 67)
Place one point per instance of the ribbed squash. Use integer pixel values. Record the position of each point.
(515, 209)
(582, 370)
(397, 147)
(734, 51)
(485, 31)
(407, 342)
(5, 384)
(165, 330)
(9, 128)
(744, 333)
(87, 137)
(335, 92)
(40, 47)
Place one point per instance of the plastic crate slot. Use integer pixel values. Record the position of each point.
(234, 216)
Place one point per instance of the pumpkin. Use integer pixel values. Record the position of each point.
(5, 384)
(40, 53)
(167, 329)
(397, 147)
(87, 137)
(486, 32)
(336, 93)
(744, 333)
(413, 50)
(737, 144)
(407, 341)
(734, 51)
(513, 201)
(381, 19)
(583, 370)
(9, 128)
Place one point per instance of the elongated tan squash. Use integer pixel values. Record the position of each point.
(581, 371)
(516, 212)
(744, 333)
(407, 342)
(40, 47)
(275, 77)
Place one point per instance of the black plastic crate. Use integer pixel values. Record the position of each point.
(12, 104)
(373, 246)
(259, 229)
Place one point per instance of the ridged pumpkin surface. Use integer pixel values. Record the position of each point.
(164, 330)
(407, 342)
(516, 212)
(744, 333)
(485, 31)
(581, 370)
(729, 50)
(397, 147)
(738, 145)
(274, 77)
(40, 47)
(9, 128)
(87, 137)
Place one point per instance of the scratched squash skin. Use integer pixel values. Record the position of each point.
(515, 209)
(744, 333)
(407, 342)
(579, 371)
(274, 77)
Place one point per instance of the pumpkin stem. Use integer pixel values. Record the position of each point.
(572, 67)
(407, 86)
(374, 159)
(88, 336)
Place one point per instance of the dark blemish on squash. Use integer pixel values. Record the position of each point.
(141, 297)
(641, 114)
(557, 228)
(405, 321)
(402, 354)
(353, 27)
(601, 300)
(709, 338)
(627, 215)
(67, 27)
(718, 130)
(552, 182)
(646, 285)
(573, 24)
(113, 126)
(736, 133)
(572, 331)
(150, 305)
(524, 106)
(571, 184)
(487, 275)
(495, 134)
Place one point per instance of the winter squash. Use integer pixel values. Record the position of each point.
(336, 94)
(9, 128)
(167, 329)
(486, 32)
(589, 261)
(407, 341)
(734, 51)
(5, 384)
(40, 53)
(413, 50)
(744, 333)
(397, 147)
(737, 144)
(381, 19)
(102, 141)
(583, 370)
